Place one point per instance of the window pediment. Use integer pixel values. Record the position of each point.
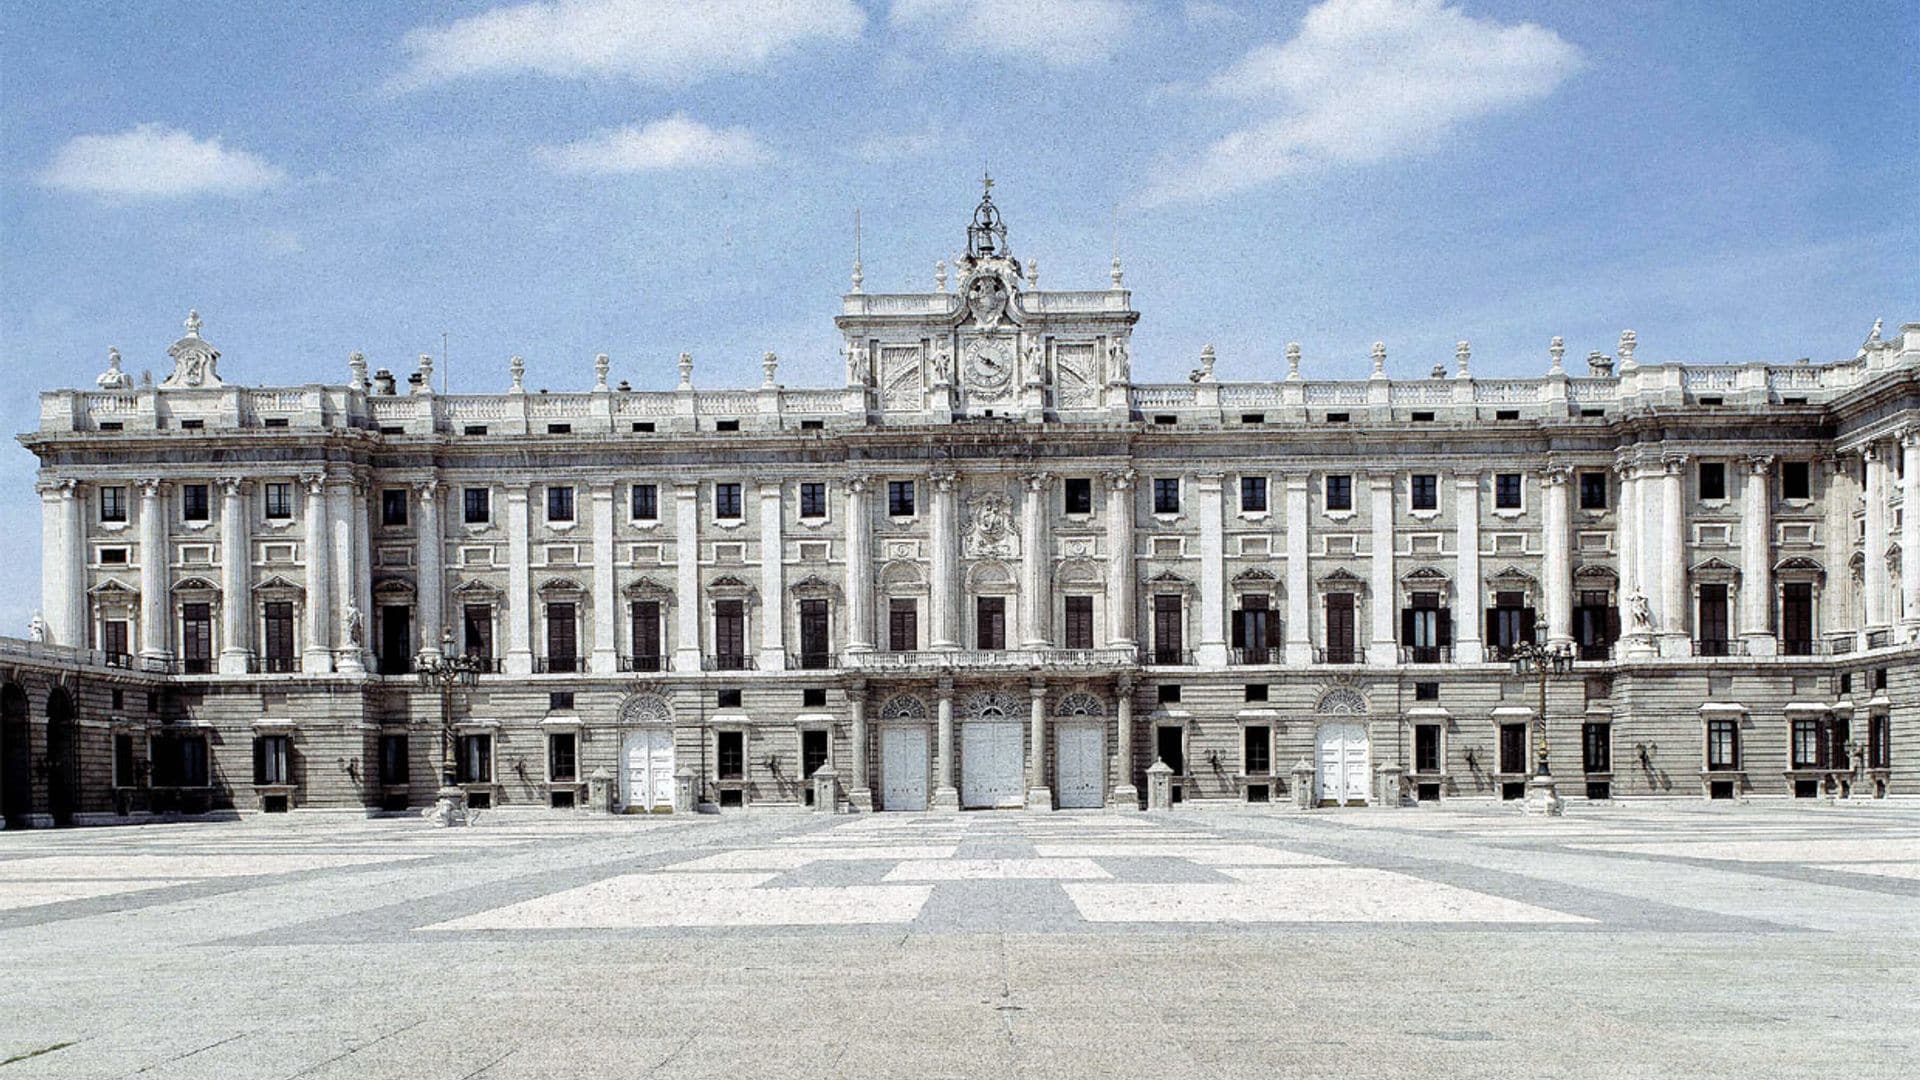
(195, 585)
(560, 586)
(477, 590)
(815, 587)
(646, 588)
(1799, 568)
(1714, 571)
(1342, 580)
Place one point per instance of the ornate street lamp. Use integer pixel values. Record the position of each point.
(445, 672)
(1541, 661)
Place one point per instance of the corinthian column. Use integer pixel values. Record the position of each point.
(686, 523)
(1559, 555)
(1468, 647)
(433, 578)
(1035, 565)
(1876, 579)
(859, 567)
(63, 574)
(1210, 636)
(605, 657)
(236, 600)
(317, 657)
(153, 572)
(1120, 569)
(352, 634)
(1910, 534)
(1756, 555)
(944, 633)
(1673, 563)
(773, 580)
(1383, 648)
(519, 659)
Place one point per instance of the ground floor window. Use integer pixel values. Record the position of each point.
(1257, 751)
(1513, 748)
(393, 760)
(1426, 748)
(1879, 745)
(1168, 744)
(123, 773)
(1723, 745)
(179, 760)
(813, 751)
(562, 761)
(272, 757)
(732, 754)
(475, 759)
(1596, 747)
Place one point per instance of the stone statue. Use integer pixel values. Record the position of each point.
(1119, 363)
(856, 364)
(113, 378)
(1641, 612)
(37, 629)
(355, 624)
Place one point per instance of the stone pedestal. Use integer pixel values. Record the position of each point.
(946, 799)
(860, 800)
(600, 791)
(1392, 790)
(1126, 797)
(1040, 799)
(683, 790)
(1159, 786)
(1302, 774)
(826, 791)
(449, 807)
(1543, 797)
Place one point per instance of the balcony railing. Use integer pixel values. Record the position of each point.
(1841, 645)
(811, 661)
(1593, 651)
(1340, 654)
(1165, 657)
(556, 665)
(989, 660)
(1260, 654)
(274, 665)
(643, 663)
(117, 659)
(1879, 639)
(1426, 654)
(1801, 647)
(727, 662)
(196, 665)
(1719, 647)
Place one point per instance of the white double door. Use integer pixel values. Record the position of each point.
(1080, 766)
(1342, 752)
(646, 772)
(992, 759)
(903, 768)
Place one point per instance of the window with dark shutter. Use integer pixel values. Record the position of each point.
(1078, 611)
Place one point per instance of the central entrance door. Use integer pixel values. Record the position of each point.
(647, 769)
(903, 768)
(1080, 762)
(990, 764)
(1342, 752)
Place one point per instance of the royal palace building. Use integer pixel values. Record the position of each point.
(990, 570)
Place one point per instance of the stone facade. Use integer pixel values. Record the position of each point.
(989, 569)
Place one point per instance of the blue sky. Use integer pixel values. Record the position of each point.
(1734, 182)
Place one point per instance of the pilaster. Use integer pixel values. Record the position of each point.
(1875, 579)
(155, 637)
(1121, 575)
(1557, 480)
(1210, 640)
(687, 603)
(350, 640)
(944, 632)
(1673, 616)
(1036, 597)
(317, 657)
(605, 657)
(236, 560)
(1756, 557)
(859, 528)
(1383, 648)
(1299, 600)
(1910, 533)
(519, 613)
(1468, 647)
(63, 574)
(773, 580)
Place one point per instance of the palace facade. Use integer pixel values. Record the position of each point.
(988, 570)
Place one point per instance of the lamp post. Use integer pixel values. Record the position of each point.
(1541, 661)
(444, 673)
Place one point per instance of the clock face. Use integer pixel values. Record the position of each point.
(989, 364)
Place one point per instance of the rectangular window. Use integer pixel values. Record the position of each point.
(1796, 480)
(562, 639)
(1166, 495)
(194, 505)
(1339, 492)
(270, 760)
(1254, 692)
(1340, 628)
(815, 650)
(726, 502)
(559, 504)
(1596, 747)
(1509, 621)
(1426, 691)
(1255, 631)
(730, 634)
(1807, 745)
(1713, 480)
(990, 622)
(1513, 748)
(1713, 621)
(560, 701)
(476, 505)
(726, 699)
(813, 752)
(1593, 491)
(732, 755)
(1079, 621)
(473, 761)
(1796, 618)
(123, 769)
(276, 624)
(1425, 491)
(563, 765)
(477, 630)
(813, 697)
(903, 625)
(899, 498)
(1426, 629)
(1426, 748)
(1078, 493)
(813, 500)
(1879, 743)
(114, 639)
(645, 502)
(1169, 645)
(393, 506)
(113, 556)
(196, 638)
(113, 503)
(393, 760)
(279, 501)
(645, 635)
(1506, 491)
(179, 760)
(1253, 494)
(1596, 625)
(1169, 740)
(1723, 745)
(1256, 750)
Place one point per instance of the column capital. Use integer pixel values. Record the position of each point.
(232, 486)
(1870, 452)
(859, 483)
(1123, 685)
(315, 483)
(1672, 463)
(1209, 479)
(1037, 689)
(1555, 473)
(686, 489)
(1910, 438)
(151, 487)
(1036, 482)
(1378, 478)
(943, 688)
(1121, 480)
(944, 480)
(60, 487)
(769, 489)
(1760, 464)
(1468, 480)
(428, 489)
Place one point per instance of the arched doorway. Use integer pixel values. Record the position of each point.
(63, 759)
(1341, 751)
(16, 758)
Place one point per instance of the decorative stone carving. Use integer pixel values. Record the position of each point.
(1075, 380)
(1079, 703)
(113, 378)
(992, 705)
(904, 707)
(37, 628)
(1341, 701)
(640, 710)
(989, 528)
(988, 366)
(987, 297)
(353, 625)
(1640, 612)
(196, 364)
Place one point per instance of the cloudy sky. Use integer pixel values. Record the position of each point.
(643, 177)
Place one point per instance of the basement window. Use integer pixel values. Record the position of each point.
(1169, 693)
(813, 697)
(474, 429)
(392, 430)
(1593, 413)
(559, 429)
(1166, 418)
(643, 426)
(1713, 401)
(192, 425)
(1253, 418)
(813, 425)
(1256, 691)
(112, 425)
(1783, 401)
(1423, 417)
(1506, 414)
(1337, 418)
(274, 422)
(726, 425)
(726, 699)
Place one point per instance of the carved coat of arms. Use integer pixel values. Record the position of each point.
(989, 527)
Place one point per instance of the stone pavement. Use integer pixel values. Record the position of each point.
(1620, 941)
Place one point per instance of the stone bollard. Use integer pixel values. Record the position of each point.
(600, 791)
(1159, 786)
(826, 791)
(1392, 790)
(683, 790)
(1303, 785)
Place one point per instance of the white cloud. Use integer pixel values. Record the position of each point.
(913, 144)
(659, 42)
(155, 161)
(1366, 81)
(1209, 14)
(677, 142)
(1062, 33)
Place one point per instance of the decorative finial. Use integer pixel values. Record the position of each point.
(859, 274)
(1293, 360)
(1438, 371)
(1204, 373)
(1599, 364)
(1462, 353)
(940, 275)
(1629, 341)
(1115, 273)
(193, 324)
(1033, 273)
(1873, 336)
(1558, 350)
(113, 378)
(686, 371)
(517, 368)
(601, 365)
(1379, 359)
(357, 369)
(425, 377)
(768, 365)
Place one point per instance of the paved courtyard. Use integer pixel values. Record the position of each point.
(1625, 941)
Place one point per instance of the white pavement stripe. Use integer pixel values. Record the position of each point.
(700, 900)
(998, 870)
(1338, 894)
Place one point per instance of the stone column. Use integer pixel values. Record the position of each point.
(154, 625)
(350, 655)
(1036, 565)
(1756, 556)
(861, 796)
(519, 613)
(605, 657)
(360, 506)
(943, 631)
(1039, 795)
(432, 614)
(773, 580)
(1630, 538)
(1876, 580)
(1558, 583)
(63, 575)
(1673, 564)
(1468, 647)
(1299, 592)
(236, 591)
(945, 796)
(1125, 795)
(1910, 533)
(686, 523)
(1383, 648)
(1210, 636)
(859, 567)
(317, 652)
(1121, 603)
